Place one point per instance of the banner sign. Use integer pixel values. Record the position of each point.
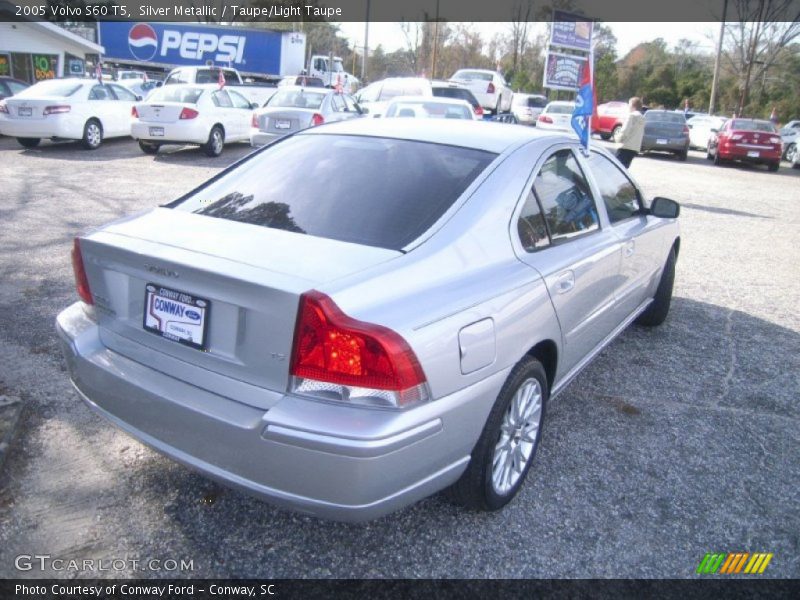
(177, 44)
(571, 31)
(44, 66)
(562, 71)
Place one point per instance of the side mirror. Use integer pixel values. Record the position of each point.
(713, 130)
(255, 105)
(138, 98)
(664, 208)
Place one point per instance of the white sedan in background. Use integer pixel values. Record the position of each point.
(700, 127)
(192, 114)
(422, 107)
(68, 109)
(489, 87)
(557, 116)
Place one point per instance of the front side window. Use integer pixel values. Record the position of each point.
(221, 99)
(238, 100)
(619, 194)
(123, 93)
(565, 198)
(395, 190)
(100, 92)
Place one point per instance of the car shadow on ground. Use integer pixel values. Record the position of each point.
(111, 149)
(664, 423)
(193, 155)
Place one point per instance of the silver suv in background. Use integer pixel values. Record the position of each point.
(528, 107)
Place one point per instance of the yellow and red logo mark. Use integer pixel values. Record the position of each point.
(732, 563)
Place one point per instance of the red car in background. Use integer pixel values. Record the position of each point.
(610, 116)
(746, 140)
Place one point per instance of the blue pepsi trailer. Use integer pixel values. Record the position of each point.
(167, 45)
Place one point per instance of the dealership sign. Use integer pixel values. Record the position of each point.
(180, 44)
(571, 31)
(562, 71)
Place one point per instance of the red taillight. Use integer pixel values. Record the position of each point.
(188, 113)
(685, 130)
(544, 119)
(490, 88)
(81, 281)
(254, 121)
(479, 110)
(370, 363)
(134, 112)
(3, 108)
(317, 119)
(56, 110)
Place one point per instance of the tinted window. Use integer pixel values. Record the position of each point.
(238, 100)
(619, 194)
(664, 117)
(220, 98)
(531, 227)
(100, 92)
(394, 190)
(457, 93)
(123, 94)
(564, 196)
(751, 125)
(212, 76)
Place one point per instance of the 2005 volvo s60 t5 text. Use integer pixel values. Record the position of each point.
(368, 312)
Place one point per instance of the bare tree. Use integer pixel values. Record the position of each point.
(521, 15)
(756, 41)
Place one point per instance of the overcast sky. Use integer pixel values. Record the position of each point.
(390, 36)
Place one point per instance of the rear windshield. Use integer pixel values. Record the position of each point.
(751, 125)
(186, 95)
(457, 93)
(530, 101)
(472, 76)
(427, 110)
(664, 117)
(560, 109)
(52, 87)
(297, 99)
(212, 76)
(365, 190)
(393, 90)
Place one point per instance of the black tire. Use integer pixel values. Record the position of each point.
(92, 135)
(717, 159)
(475, 489)
(605, 136)
(615, 133)
(29, 142)
(149, 147)
(709, 156)
(773, 167)
(656, 313)
(499, 104)
(682, 156)
(216, 142)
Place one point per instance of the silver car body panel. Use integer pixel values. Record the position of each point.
(468, 299)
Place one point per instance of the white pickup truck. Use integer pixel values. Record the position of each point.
(258, 93)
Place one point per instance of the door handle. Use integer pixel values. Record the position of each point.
(565, 282)
(629, 248)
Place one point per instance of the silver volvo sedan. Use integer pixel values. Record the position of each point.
(367, 312)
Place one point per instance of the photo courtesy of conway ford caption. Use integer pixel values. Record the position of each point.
(349, 340)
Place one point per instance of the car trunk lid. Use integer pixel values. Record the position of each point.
(162, 112)
(283, 121)
(244, 280)
(33, 108)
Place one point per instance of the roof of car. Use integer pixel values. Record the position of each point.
(480, 135)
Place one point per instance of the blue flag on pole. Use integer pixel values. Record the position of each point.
(584, 106)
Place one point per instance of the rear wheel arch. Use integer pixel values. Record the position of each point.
(546, 352)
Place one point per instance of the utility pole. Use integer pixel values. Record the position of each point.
(366, 47)
(715, 81)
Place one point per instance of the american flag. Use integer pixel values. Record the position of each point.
(221, 79)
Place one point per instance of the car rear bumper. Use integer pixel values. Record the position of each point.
(187, 132)
(261, 138)
(49, 127)
(333, 461)
(650, 143)
(742, 153)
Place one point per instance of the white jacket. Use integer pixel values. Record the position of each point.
(632, 131)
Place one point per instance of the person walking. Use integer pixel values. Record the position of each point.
(632, 132)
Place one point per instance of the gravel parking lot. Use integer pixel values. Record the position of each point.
(677, 441)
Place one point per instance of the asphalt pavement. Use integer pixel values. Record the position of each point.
(676, 441)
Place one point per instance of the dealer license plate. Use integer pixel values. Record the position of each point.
(25, 111)
(662, 141)
(283, 124)
(157, 131)
(175, 315)
(753, 154)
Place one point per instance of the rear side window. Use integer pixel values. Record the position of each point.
(619, 193)
(365, 190)
(565, 198)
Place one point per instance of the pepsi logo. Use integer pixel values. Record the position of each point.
(142, 41)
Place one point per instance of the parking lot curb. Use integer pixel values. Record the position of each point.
(10, 409)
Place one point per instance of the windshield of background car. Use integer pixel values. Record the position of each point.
(392, 90)
(560, 109)
(664, 117)
(393, 191)
(751, 125)
(53, 88)
(186, 95)
(472, 75)
(296, 99)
